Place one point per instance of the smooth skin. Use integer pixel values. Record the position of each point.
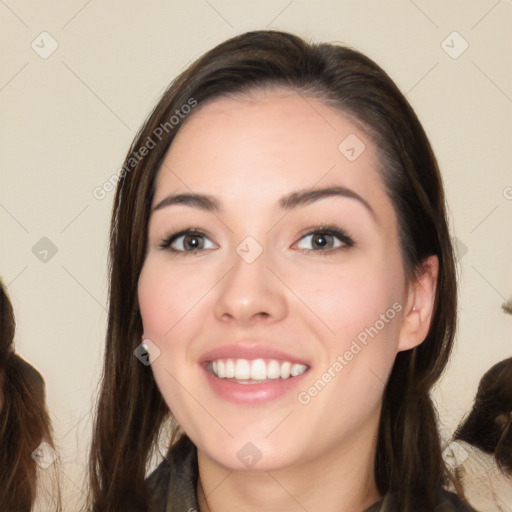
(306, 295)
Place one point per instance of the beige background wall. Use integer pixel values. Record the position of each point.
(67, 121)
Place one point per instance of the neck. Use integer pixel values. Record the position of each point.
(340, 480)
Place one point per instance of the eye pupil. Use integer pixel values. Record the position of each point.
(320, 240)
(193, 241)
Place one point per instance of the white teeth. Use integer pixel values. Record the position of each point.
(257, 369)
(242, 369)
(285, 370)
(273, 370)
(230, 369)
(297, 369)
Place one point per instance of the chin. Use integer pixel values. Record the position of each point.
(251, 456)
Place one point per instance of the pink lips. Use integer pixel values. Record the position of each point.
(250, 394)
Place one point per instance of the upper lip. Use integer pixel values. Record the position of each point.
(243, 350)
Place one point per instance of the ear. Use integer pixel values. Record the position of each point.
(420, 305)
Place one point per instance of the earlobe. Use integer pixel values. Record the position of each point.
(420, 305)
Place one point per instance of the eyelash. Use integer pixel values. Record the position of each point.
(347, 241)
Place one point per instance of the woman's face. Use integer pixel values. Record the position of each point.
(277, 278)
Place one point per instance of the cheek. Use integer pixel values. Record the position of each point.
(166, 295)
(348, 299)
(363, 312)
(168, 298)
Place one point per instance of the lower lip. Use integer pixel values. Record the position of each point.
(252, 393)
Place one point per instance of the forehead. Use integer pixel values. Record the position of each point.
(255, 149)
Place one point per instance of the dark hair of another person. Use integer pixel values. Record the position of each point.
(489, 424)
(24, 420)
(131, 410)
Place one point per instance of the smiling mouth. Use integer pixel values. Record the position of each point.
(255, 371)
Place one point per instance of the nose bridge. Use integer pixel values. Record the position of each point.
(250, 290)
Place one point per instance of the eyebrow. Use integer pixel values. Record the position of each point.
(288, 202)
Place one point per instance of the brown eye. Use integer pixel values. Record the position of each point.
(325, 240)
(192, 242)
(187, 241)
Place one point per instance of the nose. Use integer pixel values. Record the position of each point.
(250, 293)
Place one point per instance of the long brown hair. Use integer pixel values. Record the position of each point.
(131, 409)
(24, 423)
(489, 424)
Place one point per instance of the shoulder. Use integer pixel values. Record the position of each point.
(158, 482)
(175, 479)
(452, 503)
